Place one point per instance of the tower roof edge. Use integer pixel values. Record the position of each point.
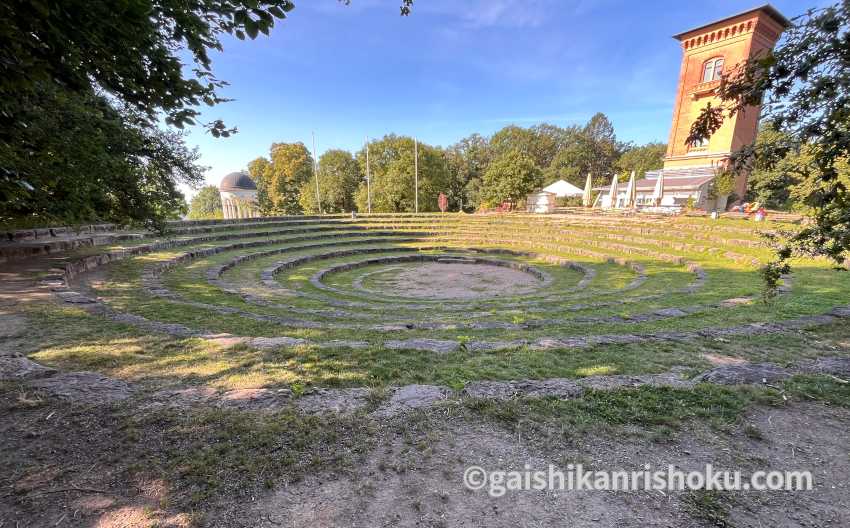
(768, 9)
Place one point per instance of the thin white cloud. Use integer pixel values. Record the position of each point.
(479, 14)
(506, 13)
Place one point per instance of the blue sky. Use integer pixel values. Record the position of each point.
(452, 68)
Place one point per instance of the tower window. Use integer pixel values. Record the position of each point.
(712, 70)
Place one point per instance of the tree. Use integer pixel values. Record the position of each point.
(786, 183)
(641, 159)
(110, 66)
(723, 184)
(339, 175)
(593, 149)
(808, 180)
(257, 170)
(128, 49)
(467, 160)
(541, 142)
(514, 137)
(551, 139)
(599, 133)
(804, 86)
(770, 183)
(392, 173)
(511, 177)
(83, 88)
(81, 159)
(281, 177)
(206, 205)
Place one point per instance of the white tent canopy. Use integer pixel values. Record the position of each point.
(563, 188)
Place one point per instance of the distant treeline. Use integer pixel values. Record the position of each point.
(474, 172)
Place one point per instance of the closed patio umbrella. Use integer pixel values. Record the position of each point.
(658, 193)
(613, 192)
(588, 192)
(630, 192)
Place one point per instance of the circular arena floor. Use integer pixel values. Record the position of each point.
(448, 279)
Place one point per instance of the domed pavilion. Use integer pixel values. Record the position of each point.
(239, 196)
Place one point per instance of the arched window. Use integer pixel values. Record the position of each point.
(713, 69)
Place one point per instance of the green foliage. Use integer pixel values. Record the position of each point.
(206, 205)
(541, 142)
(771, 274)
(806, 82)
(790, 180)
(770, 182)
(80, 159)
(84, 86)
(511, 177)
(459, 170)
(723, 184)
(281, 177)
(568, 153)
(641, 159)
(339, 175)
(593, 149)
(129, 49)
(256, 170)
(392, 174)
(467, 160)
(569, 201)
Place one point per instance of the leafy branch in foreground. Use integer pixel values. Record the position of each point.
(804, 86)
(127, 49)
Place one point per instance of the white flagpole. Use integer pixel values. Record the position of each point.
(368, 180)
(316, 171)
(416, 172)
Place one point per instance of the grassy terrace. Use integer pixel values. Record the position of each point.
(645, 276)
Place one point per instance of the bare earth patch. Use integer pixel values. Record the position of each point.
(417, 481)
(446, 280)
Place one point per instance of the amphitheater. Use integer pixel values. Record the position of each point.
(445, 300)
(294, 360)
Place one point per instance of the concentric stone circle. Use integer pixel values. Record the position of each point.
(583, 280)
(442, 277)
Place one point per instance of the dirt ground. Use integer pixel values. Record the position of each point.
(440, 280)
(72, 467)
(400, 485)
